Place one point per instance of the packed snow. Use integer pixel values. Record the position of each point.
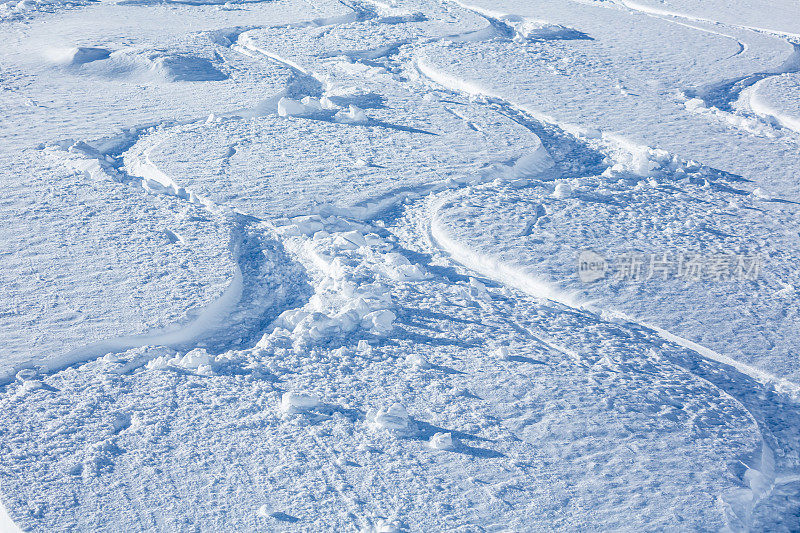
(403, 265)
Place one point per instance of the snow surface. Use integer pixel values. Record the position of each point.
(313, 265)
(778, 98)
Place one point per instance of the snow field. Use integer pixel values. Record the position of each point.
(357, 420)
(389, 201)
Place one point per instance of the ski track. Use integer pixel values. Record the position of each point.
(718, 98)
(490, 268)
(634, 6)
(210, 325)
(765, 111)
(133, 165)
(510, 276)
(513, 278)
(141, 172)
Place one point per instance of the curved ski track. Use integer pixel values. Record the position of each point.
(141, 172)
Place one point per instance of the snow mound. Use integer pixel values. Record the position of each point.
(538, 30)
(137, 64)
(186, 68)
(77, 55)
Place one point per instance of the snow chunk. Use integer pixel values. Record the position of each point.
(307, 107)
(384, 526)
(197, 360)
(693, 104)
(563, 190)
(124, 362)
(417, 361)
(289, 107)
(399, 268)
(502, 352)
(296, 402)
(477, 290)
(350, 240)
(311, 103)
(379, 322)
(328, 104)
(301, 226)
(30, 385)
(393, 418)
(442, 441)
(355, 237)
(194, 359)
(354, 115)
(364, 348)
(758, 192)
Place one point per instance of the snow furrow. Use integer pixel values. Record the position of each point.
(245, 306)
(528, 405)
(487, 265)
(762, 474)
(719, 98)
(512, 276)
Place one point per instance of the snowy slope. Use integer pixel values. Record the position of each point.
(313, 265)
(776, 98)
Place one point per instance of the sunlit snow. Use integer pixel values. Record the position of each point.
(399, 265)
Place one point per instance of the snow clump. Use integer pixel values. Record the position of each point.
(562, 190)
(353, 115)
(297, 402)
(442, 441)
(503, 353)
(417, 361)
(394, 418)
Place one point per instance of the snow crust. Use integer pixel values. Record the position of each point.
(311, 266)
